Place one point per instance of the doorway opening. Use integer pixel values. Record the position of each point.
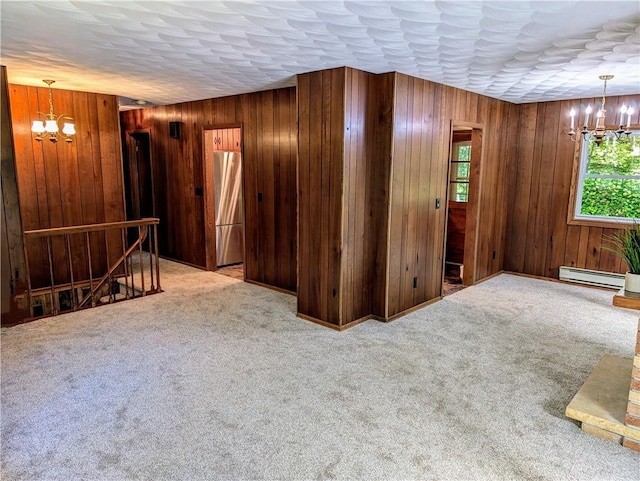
(462, 207)
(223, 197)
(138, 178)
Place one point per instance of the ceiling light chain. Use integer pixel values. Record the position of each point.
(49, 129)
(599, 132)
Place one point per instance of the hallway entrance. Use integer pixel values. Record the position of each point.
(462, 207)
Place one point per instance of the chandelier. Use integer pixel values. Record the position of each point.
(47, 127)
(599, 131)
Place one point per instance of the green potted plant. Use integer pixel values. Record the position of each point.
(626, 244)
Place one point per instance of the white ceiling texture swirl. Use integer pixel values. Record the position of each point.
(172, 51)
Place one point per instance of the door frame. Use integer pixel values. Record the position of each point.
(130, 136)
(208, 195)
(473, 211)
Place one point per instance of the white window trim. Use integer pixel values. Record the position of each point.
(583, 175)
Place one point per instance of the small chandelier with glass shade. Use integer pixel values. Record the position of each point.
(48, 127)
(599, 132)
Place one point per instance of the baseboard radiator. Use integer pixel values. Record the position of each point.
(592, 278)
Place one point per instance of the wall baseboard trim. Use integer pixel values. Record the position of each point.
(269, 286)
(172, 259)
(490, 276)
(402, 313)
(411, 309)
(552, 279)
(333, 326)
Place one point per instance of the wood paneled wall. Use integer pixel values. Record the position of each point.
(65, 184)
(498, 153)
(268, 121)
(321, 123)
(344, 157)
(379, 148)
(418, 178)
(373, 159)
(367, 147)
(12, 262)
(456, 224)
(424, 112)
(540, 238)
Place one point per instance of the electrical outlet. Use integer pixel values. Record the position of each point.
(259, 196)
(438, 203)
(415, 282)
(494, 254)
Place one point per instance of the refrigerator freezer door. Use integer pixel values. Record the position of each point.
(227, 175)
(229, 244)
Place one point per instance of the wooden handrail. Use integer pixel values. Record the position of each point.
(79, 299)
(116, 264)
(80, 229)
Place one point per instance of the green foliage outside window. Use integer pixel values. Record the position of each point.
(464, 153)
(463, 171)
(462, 192)
(459, 180)
(612, 197)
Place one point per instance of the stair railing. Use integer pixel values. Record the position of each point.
(121, 269)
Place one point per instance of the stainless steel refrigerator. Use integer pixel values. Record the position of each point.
(227, 171)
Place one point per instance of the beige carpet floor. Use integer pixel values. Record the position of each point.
(217, 379)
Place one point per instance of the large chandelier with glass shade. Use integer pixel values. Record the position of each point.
(48, 127)
(598, 131)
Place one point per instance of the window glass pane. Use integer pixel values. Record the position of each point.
(615, 157)
(462, 192)
(459, 172)
(464, 153)
(609, 182)
(611, 197)
(463, 171)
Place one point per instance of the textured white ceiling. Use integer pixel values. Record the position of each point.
(173, 51)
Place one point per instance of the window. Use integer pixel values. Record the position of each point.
(608, 187)
(459, 179)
